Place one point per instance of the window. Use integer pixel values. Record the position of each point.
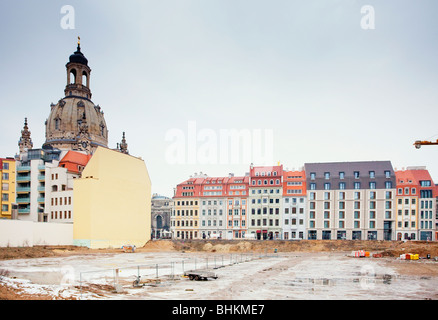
(341, 175)
(342, 185)
(372, 185)
(357, 185)
(326, 175)
(425, 183)
(372, 174)
(326, 186)
(312, 175)
(356, 174)
(388, 185)
(313, 186)
(387, 174)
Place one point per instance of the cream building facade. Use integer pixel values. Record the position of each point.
(112, 201)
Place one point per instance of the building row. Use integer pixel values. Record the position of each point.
(365, 200)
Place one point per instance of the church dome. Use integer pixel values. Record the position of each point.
(78, 57)
(75, 122)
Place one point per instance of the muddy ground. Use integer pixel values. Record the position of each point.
(321, 268)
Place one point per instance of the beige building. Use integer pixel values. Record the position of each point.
(350, 200)
(112, 201)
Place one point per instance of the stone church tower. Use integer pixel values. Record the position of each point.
(75, 122)
(25, 142)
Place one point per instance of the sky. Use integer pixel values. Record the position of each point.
(291, 81)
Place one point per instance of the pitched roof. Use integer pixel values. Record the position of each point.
(74, 161)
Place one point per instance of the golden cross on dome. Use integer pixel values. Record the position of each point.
(79, 40)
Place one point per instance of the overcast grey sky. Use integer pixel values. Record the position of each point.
(327, 89)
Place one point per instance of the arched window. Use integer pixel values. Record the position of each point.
(159, 222)
(72, 76)
(84, 79)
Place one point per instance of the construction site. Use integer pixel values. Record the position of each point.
(225, 270)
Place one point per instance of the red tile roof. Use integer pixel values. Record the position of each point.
(74, 161)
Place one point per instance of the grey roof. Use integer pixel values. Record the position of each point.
(348, 168)
(364, 167)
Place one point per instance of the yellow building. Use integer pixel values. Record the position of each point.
(112, 201)
(186, 218)
(7, 179)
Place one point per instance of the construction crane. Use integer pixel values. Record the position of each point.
(419, 143)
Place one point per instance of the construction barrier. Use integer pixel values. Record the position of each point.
(359, 253)
(409, 256)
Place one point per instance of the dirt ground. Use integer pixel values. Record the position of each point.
(390, 250)
(387, 248)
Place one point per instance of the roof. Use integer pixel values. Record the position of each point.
(412, 176)
(73, 160)
(348, 167)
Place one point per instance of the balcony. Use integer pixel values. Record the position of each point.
(41, 177)
(24, 210)
(23, 189)
(23, 168)
(40, 199)
(23, 178)
(23, 200)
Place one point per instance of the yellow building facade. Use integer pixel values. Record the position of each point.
(8, 184)
(112, 201)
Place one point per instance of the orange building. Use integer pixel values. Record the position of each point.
(415, 204)
(294, 205)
